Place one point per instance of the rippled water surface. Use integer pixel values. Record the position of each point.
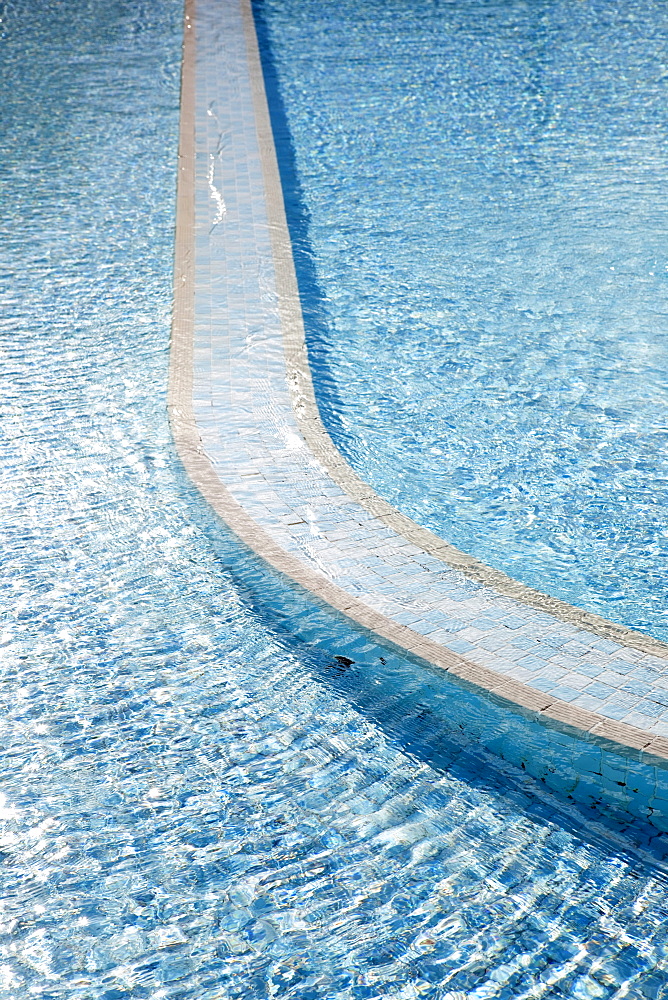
(479, 206)
(194, 805)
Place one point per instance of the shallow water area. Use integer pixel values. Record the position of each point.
(476, 198)
(196, 805)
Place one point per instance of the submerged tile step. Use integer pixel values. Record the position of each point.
(247, 426)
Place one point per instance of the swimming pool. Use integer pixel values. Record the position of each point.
(196, 803)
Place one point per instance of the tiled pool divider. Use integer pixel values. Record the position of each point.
(579, 702)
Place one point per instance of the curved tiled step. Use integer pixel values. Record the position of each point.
(247, 426)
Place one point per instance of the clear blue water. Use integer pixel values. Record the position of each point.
(478, 202)
(195, 804)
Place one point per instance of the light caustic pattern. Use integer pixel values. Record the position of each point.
(478, 205)
(190, 809)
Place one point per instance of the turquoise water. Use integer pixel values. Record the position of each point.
(195, 803)
(478, 201)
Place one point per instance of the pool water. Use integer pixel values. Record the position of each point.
(195, 804)
(477, 199)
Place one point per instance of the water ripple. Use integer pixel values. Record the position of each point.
(193, 806)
